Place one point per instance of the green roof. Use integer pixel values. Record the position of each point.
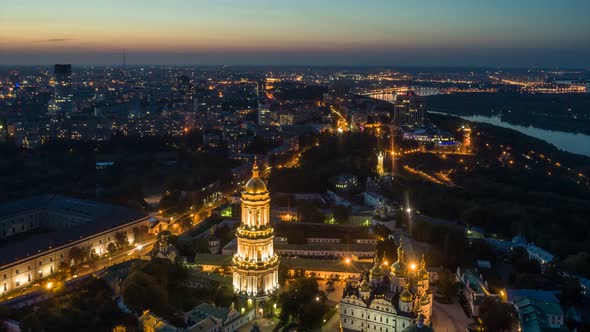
(213, 259)
(328, 265)
(475, 283)
(326, 247)
(205, 310)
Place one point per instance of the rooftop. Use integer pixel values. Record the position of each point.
(325, 265)
(101, 217)
(475, 282)
(539, 295)
(205, 310)
(213, 259)
(340, 247)
(156, 323)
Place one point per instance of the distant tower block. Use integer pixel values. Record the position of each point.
(466, 139)
(392, 153)
(380, 170)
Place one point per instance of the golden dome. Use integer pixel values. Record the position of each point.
(364, 285)
(375, 271)
(255, 185)
(423, 272)
(424, 300)
(399, 268)
(406, 296)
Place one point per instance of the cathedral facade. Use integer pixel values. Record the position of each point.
(255, 273)
(388, 298)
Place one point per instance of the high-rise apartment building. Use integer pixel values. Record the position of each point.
(64, 96)
(410, 110)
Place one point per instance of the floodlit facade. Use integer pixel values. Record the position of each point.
(40, 231)
(390, 299)
(380, 169)
(255, 263)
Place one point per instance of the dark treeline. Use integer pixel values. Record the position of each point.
(335, 155)
(565, 112)
(548, 208)
(134, 167)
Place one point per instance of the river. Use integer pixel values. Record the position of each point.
(570, 142)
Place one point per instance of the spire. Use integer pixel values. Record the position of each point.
(423, 263)
(400, 251)
(376, 259)
(255, 172)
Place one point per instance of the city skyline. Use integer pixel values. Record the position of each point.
(295, 165)
(380, 33)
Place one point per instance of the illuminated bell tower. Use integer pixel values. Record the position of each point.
(255, 275)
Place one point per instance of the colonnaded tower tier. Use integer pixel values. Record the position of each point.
(256, 266)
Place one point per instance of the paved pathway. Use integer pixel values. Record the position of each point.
(333, 323)
(449, 317)
(265, 325)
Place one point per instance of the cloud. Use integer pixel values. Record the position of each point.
(54, 40)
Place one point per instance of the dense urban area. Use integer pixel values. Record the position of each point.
(183, 198)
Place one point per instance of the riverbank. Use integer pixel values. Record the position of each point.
(570, 142)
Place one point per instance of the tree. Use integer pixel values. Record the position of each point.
(578, 263)
(224, 296)
(497, 316)
(447, 286)
(312, 314)
(309, 212)
(139, 233)
(186, 223)
(63, 266)
(76, 255)
(121, 239)
(571, 292)
(111, 247)
(142, 291)
(341, 214)
(303, 301)
(330, 286)
(381, 231)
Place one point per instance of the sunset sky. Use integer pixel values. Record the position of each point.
(302, 32)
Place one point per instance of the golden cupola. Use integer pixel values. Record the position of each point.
(255, 185)
(399, 268)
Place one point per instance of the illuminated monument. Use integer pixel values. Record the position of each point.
(380, 170)
(255, 275)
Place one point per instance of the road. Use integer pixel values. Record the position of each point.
(100, 264)
(264, 324)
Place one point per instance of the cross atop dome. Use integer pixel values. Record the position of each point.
(255, 172)
(255, 186)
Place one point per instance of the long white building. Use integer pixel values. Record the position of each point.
(38, 233)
